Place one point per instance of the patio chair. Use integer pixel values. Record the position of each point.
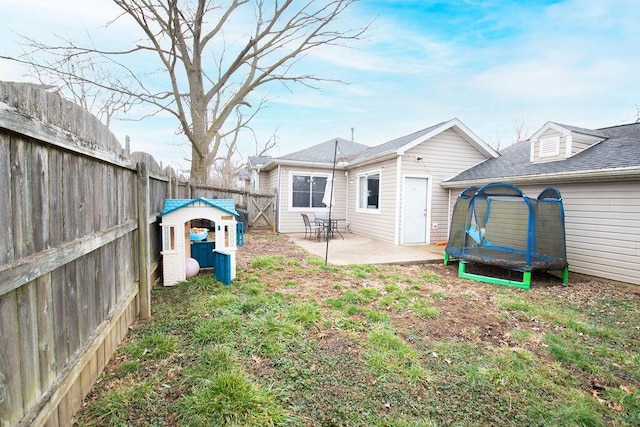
(310, 228)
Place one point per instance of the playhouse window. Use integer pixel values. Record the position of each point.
(369, 191)
(307, 191)
(169, 239)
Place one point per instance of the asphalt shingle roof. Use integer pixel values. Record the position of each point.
(393, 145)
(323, 152)
(621, 149)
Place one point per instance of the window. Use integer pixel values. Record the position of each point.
(307, 191)
(549, 146)
(369, 191)
(169, 239)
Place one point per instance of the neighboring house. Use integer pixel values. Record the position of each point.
(390, 192)
(598, 174)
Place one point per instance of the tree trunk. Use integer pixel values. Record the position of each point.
(199, 169)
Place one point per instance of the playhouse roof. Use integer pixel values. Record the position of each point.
(226, 205)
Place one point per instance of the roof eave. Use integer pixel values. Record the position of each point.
(322, 165)
(471, 137)
(374, 159)
(596, 175)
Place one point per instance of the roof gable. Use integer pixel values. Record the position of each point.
(555, 141)
(225, 205)
(617, 155)
(400, 145)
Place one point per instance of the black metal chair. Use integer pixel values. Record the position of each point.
(310, 228)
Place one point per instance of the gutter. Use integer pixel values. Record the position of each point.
(374, 159)
(316, 165)
(597, 175)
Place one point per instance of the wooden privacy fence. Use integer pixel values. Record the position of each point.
(79, 250)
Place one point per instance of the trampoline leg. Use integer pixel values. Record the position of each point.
(525, 284)
(526, 278)
(565, 275)
(446, 258)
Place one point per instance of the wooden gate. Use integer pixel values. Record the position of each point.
(262, 211)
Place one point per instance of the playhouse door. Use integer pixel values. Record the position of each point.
(415, 214)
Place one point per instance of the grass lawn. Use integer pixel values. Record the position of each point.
(295, 343)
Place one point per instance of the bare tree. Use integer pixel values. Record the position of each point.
(521, 129)
(72, 76)
(211, 55)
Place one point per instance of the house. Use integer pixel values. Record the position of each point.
(177, 243)
(390, 192)
(598, 174)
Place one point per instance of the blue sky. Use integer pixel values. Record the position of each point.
(496, 65)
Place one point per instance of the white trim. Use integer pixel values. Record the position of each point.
(291, 208)
(611, 174)
(568, 145)
(532, 151)
(549, 125)
(399, 194)
(429, 178)
(449, 213)
(279, 213)
(357, 198)
(256, 180)
(166, 233)
(346, 210)
(471, 137)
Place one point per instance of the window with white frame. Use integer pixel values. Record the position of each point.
(369, 191)
(307, 191)
(168, 239)
(549, 146)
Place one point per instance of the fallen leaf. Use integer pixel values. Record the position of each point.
(626, 388)
(596, 395)
(615, 406)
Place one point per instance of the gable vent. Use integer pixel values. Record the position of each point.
(549, 146)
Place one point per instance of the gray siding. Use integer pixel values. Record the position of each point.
(443, 156)
(289, 219)
(380, 224)
(580, 143)
(602, 223)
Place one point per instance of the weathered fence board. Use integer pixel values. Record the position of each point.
(29, 359)
(74, 274)
(29, 268)
(46, 337)
(10, 361)
(6, 227)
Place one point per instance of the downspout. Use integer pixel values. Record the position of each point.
(448, 214)
(279, 196)
(346, 206)
(398, 199)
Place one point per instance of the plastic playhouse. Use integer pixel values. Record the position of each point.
(212, 247)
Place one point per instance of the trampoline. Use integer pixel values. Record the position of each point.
(499, 225)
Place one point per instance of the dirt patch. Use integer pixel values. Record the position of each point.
(467, 308)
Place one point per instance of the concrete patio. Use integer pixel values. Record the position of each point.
(357, 249)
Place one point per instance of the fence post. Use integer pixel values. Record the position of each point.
(144, 247)
(173, 187)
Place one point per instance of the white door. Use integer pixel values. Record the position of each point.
(414, 217)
